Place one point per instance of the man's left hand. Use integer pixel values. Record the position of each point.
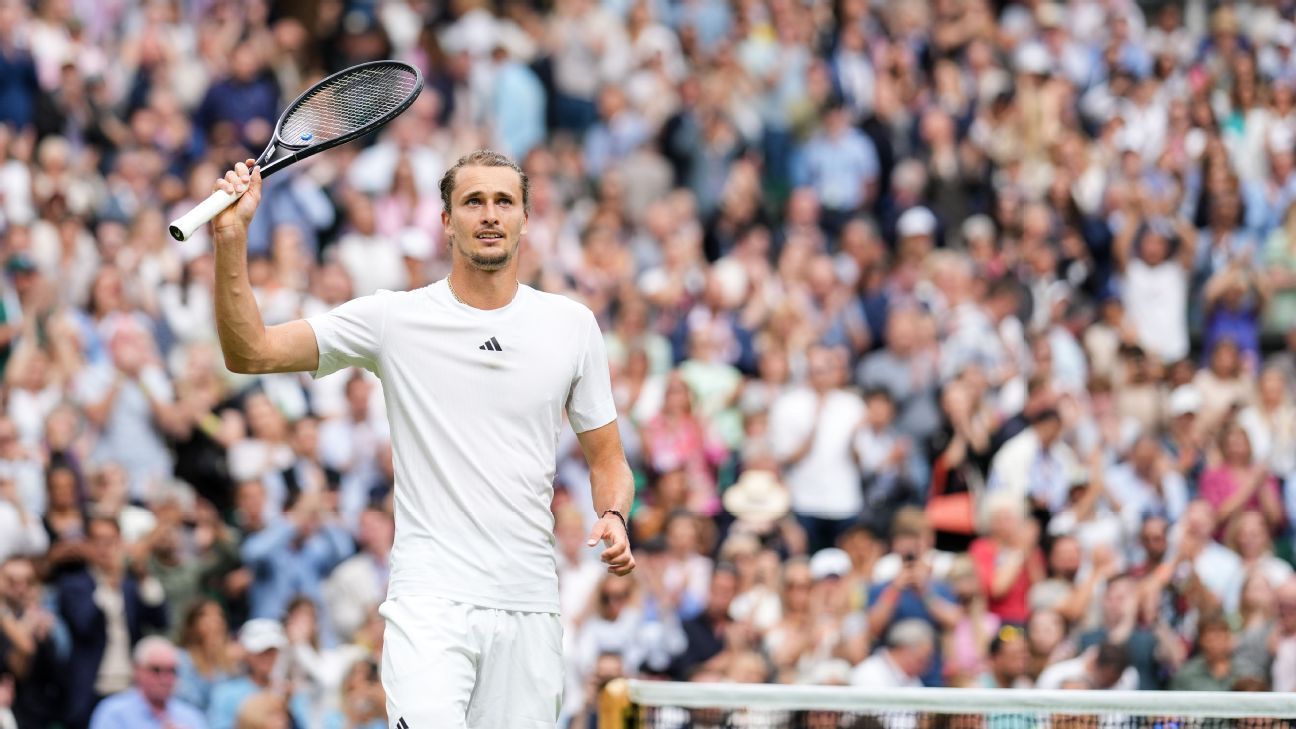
(612, 532)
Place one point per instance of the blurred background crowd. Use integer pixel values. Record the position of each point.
(953, 342)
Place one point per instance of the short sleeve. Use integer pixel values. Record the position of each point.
(349, 335)
(589, 404)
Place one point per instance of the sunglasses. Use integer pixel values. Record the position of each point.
(161, 670)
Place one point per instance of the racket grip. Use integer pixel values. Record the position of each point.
(184, 226)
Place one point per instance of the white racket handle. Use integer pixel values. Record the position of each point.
(184, 226)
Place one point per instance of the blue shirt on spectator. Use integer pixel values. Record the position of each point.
(130, 710)
(518, 107)
(838, 168)
(285, 569)
(910, 604)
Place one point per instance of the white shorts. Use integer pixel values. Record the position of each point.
(447, 665)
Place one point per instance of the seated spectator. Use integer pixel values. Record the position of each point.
(1247, 535)
(1257, 623)
(902, 661)
(1008, 559)
(150, 702)
(1046, 636)
(1103, 666)
(360, 582)
(1283, 668)
(1009, 661)
(1240, 483)
(967, 644)
(263, 641)
(206, 656)
(913, 594)
(705, 631)
(1121, 626)
(1212, 667)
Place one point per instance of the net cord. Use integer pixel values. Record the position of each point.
(963, 701)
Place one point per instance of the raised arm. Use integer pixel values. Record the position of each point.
(613, 487)
(248, 345)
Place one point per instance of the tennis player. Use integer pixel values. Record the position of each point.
(477, 372)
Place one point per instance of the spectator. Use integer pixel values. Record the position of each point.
(206, 656)
(262, 640)
(1121, 626)
(1238, 483)
(107, 610)
(29, 644)
(1247, 535)
(903, 660)
(293, 555)
(359, 583)
(1008, 560)
(913, 595)
(813, 426)
(1103, 666)
(1283, 668)
(150, 703)
(1009, 657)
(1036, 464)
(1212, 667)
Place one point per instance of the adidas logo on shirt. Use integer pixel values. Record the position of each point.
(492, 345)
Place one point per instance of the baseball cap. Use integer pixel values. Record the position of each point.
(1185, 399)
(917, 220)
(1032, 59)
(261, 634)
(829, 562)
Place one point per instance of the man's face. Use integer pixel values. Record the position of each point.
(1153, 537)
(486, 219)
(105, 545)
(263, 663)
(156, 675)
(19, 582)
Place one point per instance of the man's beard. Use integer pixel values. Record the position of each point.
(495, 262)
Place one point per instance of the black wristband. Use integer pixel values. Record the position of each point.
(618, 515)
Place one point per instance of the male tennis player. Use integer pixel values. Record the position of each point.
(477, 371)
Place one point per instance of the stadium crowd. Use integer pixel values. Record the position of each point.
(954, 342)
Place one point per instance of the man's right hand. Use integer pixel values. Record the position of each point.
(244, 178)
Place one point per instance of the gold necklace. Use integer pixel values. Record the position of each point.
(516, 286)
(452, 291)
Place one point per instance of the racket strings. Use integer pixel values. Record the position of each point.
(349, 103)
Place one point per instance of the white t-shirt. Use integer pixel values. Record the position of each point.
(474, 431)
(826, 482)
(1156, 298)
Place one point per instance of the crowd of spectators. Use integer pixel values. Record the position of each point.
(954, 342)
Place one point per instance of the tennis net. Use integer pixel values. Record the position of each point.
(634, 704)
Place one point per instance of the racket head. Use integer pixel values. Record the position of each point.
(351, 103)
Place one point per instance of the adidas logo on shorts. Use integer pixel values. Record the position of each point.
(401, 723)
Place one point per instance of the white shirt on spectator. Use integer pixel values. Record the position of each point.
(373, 261)
(19, 537)
(826, 482)
(1076, 668)
(1156, 299)
(1024, 468)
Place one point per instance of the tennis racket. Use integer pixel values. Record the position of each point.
(351, 103)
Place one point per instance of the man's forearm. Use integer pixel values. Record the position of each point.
(238, 319)
(612, 486)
